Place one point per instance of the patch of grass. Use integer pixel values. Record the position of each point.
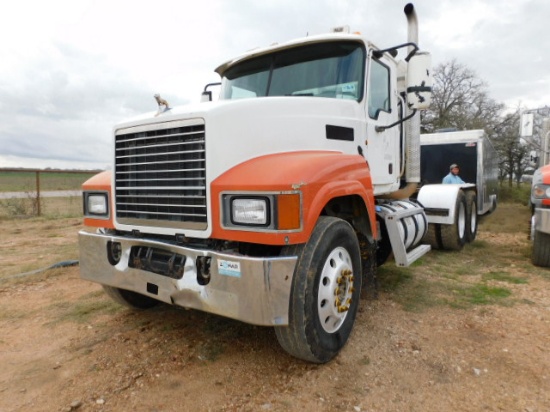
(479, 294)
(507, 218)
(479, 244)
(390, 277)
(423, 294)
(465, 279)
(18, 207)
(50, 207)
(504, 277)
(519, 195)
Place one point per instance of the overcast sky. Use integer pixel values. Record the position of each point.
(70, 70)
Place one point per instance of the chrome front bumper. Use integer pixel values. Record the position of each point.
(252, 290)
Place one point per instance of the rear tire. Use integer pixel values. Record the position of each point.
(325, 292)
(433, 236)
(130, 299)
(453, 237)
(471, 216)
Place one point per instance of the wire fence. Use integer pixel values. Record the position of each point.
(34, 192)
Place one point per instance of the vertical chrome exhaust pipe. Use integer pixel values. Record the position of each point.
(412, 126)
(412, 167)
(412, 20)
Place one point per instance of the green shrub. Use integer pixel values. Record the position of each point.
(514, 194)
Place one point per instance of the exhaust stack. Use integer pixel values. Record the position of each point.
(412, 127)
(412, 169)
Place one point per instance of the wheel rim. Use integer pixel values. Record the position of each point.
(473, 220)
(335, 290)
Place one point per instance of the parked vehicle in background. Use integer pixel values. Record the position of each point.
(474, 153)
(540, 220)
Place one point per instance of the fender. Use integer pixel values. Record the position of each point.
(439, 201)
(100, 182)
(318, 176)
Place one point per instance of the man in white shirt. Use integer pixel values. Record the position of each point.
(453, 176)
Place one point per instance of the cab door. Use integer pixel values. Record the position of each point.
(382, 148)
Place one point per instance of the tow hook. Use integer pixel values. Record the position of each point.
(203, 269)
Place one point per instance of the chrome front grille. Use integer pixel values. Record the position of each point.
(160, 175)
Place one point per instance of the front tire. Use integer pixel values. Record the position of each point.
(325, 292)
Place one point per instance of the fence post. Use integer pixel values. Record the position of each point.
(38, 193)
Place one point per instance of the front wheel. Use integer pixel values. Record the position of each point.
(325, 292)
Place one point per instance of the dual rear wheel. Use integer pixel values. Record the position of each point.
(463, 229)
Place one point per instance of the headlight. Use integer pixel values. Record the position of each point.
(250, 211)
(266, 211)
(541, 191)
(96, 204)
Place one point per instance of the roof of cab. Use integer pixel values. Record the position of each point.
(290, 44)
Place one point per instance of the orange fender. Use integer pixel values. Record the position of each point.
(318, 176)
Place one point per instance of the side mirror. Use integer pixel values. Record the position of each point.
(206, 95)
(419, 81)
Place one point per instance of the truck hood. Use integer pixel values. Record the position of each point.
(239, 130)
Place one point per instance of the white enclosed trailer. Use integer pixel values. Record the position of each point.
(478, 161)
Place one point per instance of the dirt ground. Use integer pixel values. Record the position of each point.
(65, 346)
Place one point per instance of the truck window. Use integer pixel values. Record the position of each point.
(331, 69)
(378, 89)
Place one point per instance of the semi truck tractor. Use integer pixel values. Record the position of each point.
(272, 204)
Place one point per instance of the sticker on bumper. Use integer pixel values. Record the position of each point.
(228, 268)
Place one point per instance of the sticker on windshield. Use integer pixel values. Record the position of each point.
(348, 88)
(229, 268)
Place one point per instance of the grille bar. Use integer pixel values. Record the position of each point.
(154, 163)
(151, 137)
(133, 156)
(160, 176)
(120, 149)
(158, 171)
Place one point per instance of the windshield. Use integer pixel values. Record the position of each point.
(332, 69)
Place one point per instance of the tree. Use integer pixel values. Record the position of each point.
(460, 100)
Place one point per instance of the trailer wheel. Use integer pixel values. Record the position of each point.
(130, 299)
(471, 216)
(325, 292)
(453, 236)
(541, 249)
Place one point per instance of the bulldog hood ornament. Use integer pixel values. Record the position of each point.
(163, 104)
